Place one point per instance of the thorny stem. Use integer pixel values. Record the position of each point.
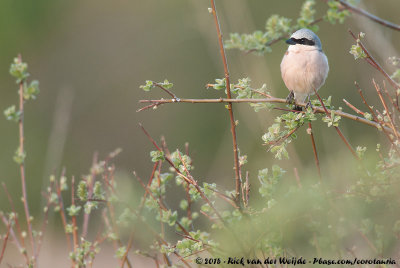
(22, 165)
(272, 100)
(228, 93)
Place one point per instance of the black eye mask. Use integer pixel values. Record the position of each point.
(302, 41)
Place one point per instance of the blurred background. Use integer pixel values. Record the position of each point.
(91, 57)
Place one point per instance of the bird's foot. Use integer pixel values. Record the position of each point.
(309, 105)
(297, 108)
(290, 98)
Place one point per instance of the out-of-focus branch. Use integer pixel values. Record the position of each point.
(368, 15)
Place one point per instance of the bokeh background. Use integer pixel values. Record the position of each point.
(91, 57)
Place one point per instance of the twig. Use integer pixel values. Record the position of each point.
(283, 138)
(62, 214)
(315, 150)
(5, 242)
(168, 91)
(353, 107)
(337, 129)
(16, 215)
(390, 98)
(90, 185)
(192, 181)
(368, 15)
(283, 37)
(274, 100)
(376, 119)
(378, 90)
(228, 92)
(22, 165)
(74, 226)
(297, 177)
(374, 63)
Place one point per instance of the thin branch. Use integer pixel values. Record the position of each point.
(167, 91)
(5, 242)
(22, 165)
(314, 149)
(90, 185)
(337, 128)
(368, 15)
(376, 119)
(378, 90)
(273, 100)
(374, 63)
(228, 92)
(19, 230)
(355, 109)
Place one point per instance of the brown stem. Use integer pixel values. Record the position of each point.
(90, 185)
(378, 90)
(5, 242)
(353, 107)
(337, 128)
(384, 129)
(22, 165)
(368, 15)
(167, 91)
(19, 230)
(315, 151)
(228, 92)
(273, 100)
(74, 226)
(374, 63)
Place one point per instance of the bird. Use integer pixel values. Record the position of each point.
(304, 67)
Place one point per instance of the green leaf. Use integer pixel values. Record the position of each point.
(12, 114)
(19, 70)
(31, 91)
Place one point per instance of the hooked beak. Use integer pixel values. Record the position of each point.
(291, 42)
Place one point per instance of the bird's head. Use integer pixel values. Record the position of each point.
(305, 37)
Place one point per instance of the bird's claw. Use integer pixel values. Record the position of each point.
(290, 98)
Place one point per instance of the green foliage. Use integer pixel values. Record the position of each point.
(269, 182)
(31, 91)
(157, 156)
(356, 50)
(12, 114)
(85, 254)
(279, 27)
(281, 133)
(19, 156)
(243, 90)
(335, 13)
(19, 70)
(151, 84)
(82, 191)
(74, 210)
(332, 119)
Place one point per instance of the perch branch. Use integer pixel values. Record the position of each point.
(272, 100)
